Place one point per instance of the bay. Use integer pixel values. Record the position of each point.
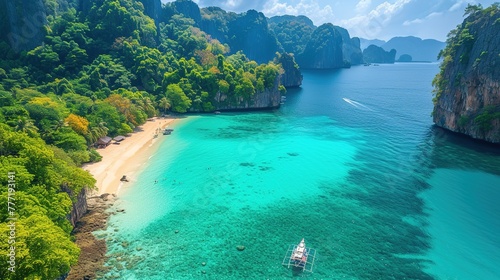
(351, 162)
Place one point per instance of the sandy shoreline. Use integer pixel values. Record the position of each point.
(126, 158)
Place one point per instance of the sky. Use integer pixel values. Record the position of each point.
(369, 19)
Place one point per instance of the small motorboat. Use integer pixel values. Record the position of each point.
(168, 131)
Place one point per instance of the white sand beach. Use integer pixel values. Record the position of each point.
(127, 157)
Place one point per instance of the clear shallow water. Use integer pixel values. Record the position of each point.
(351, 163)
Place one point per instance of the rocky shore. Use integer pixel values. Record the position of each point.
(93, 250)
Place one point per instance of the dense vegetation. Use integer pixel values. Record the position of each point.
(292, 32)
(460, 41)
(101, 70)
(43, 248)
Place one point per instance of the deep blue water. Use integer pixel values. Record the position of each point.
(351, 162)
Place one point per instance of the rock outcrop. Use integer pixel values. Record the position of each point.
(374, 54)
(247, 32)
(405, 58)
(324, 49)
(291, 76)
(351, 50)
(268, 99)
(79, 205)
(93, 250)
(292, 32)
(468, 87)
(298, 35)
(22, 23)
(214, 22)
(186, 7)
(152, 8)
(250, 33)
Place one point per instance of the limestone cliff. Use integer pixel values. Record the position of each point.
(468, 87)
(250, 33)
(268, 99)
(79, 204)
(22, 23)
(291, 76)
(186, 7)
(374, 54)
(214, 22)
(152, 8)
(351, 50)
(292, 32)
(324, 49)
(247, 32)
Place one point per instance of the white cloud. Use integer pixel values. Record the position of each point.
(371, 24)
(363, 5)
(421, 20)
(460, 5)
(457, 5)
(312, 9)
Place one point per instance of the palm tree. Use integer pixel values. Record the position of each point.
(58, 124)
(165, 104)
(26, 125)
(96, 132)
(147, 106)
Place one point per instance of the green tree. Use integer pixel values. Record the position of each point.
(43, 250)
(27, 126)
(180, 102)
(165, 104)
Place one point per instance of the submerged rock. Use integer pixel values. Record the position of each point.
(240, 247)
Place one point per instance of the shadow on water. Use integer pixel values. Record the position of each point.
(391, 186)
(447, 149)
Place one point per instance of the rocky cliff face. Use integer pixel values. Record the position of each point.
(324, 50)
(250, 34)
(214, 22)
(152, 8)
(79, 205)
(22, 23)
(268, 99)
(468, 87)
(292, 32)
(291, 76)
(374, 54)
(351, 50)
(186, 7)
(247, 32)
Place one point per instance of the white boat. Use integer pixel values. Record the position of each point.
(300, 257)
(299, 254)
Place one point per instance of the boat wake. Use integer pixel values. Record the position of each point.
(357, 104)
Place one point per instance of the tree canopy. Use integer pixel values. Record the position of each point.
(102, 70)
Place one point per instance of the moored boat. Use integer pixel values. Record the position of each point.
(299, 257)
(299, 254)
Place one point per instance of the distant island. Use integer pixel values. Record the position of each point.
(420, 50)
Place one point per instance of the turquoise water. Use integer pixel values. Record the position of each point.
(351, 163)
